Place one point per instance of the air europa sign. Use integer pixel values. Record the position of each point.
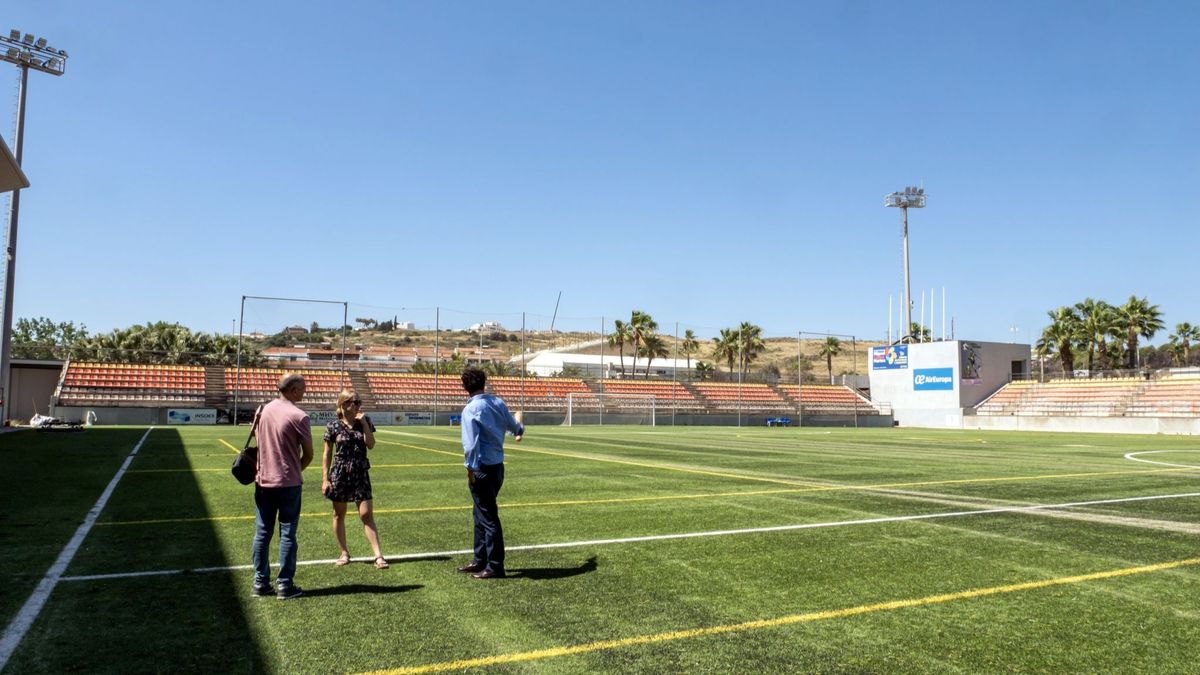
(933, 379)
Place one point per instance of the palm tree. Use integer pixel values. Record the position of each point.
(1061, 336)
(1096, 319)
(751, 343)
(1137, 317)
(829, 349)
(618, 338)
(689, 345)
(640, 324)
(725, 346)
(653, 346)
(1184, 334)
(704, 371)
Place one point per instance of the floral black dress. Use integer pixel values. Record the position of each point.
(348, 477)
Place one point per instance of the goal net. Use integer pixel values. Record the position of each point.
(600, 409)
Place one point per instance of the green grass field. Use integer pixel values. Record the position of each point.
(1099, 587)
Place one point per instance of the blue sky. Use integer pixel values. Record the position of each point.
(709, 163)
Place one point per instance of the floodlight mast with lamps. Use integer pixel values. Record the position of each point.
(911, 197)
(25, 52)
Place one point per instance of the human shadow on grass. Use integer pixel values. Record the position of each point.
(544, 573)
(351, 589)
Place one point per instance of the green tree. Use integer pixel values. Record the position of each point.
(1138, 318)
(750, 344)
(640, 324)
(1096, 320)
(689, 345)
(918, 332)
(1061, 337)
(1184, 334)
(725, 346)
(618, 338)
(653, 346)
(42, 338)
(704, 370)
(829, 349)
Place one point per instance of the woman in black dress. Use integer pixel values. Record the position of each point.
(345, 468)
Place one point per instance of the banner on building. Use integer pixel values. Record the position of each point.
(191, 416)
(970, 362)
(933, 379)
(889, 358)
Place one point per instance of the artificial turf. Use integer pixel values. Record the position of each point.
(819, 596)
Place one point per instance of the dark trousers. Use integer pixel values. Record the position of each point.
(489, 536)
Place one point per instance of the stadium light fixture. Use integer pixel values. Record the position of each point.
(26, 53)
(911, 197)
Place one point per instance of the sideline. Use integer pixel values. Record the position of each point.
(37, 600)
(662, 537)
(605, 645)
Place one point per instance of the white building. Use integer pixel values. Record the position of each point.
(934, 384)
(610, 365)
(485, 326)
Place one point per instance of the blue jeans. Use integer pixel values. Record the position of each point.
(271, 504)
(489, 535)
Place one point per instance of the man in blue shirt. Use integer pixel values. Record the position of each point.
(485, 419)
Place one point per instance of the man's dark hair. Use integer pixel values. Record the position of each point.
(473, 380)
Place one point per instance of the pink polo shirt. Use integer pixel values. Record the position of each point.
(281, 429)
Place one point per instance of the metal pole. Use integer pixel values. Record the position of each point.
(800, 381)
(907, 289)
(437, 359)
(522, 362)
(854, 361)
(603, 370)
(238, 373)
(345, 322)
(741, 367)
(674, 367)
(10, 266)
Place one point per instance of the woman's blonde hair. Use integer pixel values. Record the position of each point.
(343, 399)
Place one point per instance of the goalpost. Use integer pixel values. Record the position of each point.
(588, 408)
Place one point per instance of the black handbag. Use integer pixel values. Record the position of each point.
(245, 466)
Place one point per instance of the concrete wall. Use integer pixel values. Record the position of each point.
(1174, 426)
(913, 405)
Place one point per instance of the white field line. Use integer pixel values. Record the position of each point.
(657, 537)
(1133, 456)
(33, 606)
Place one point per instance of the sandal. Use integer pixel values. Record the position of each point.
(381, 563)
(343, 560)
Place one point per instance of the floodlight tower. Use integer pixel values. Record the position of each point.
(25, 52)
(911, 198)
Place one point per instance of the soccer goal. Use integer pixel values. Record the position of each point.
(600, 409)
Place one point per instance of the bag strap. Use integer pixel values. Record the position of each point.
(253, 427)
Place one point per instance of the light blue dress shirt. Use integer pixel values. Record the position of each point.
(484, 421)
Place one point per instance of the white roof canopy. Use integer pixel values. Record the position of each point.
(11, 176)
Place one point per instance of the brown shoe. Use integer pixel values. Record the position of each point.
(490, 573)
(473, 567)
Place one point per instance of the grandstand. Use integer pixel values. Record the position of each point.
(122, 384)
(156, 390)
(1168, 396)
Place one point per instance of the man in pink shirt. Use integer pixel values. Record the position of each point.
(284, 450)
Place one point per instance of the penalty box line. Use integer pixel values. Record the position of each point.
(663, 537)
(37, 600)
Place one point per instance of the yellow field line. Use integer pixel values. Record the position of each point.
(663, 467)
(817, 487)
(513, 505)
(229, 445)
(621, 500)
(605, 645)
(417, 447)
